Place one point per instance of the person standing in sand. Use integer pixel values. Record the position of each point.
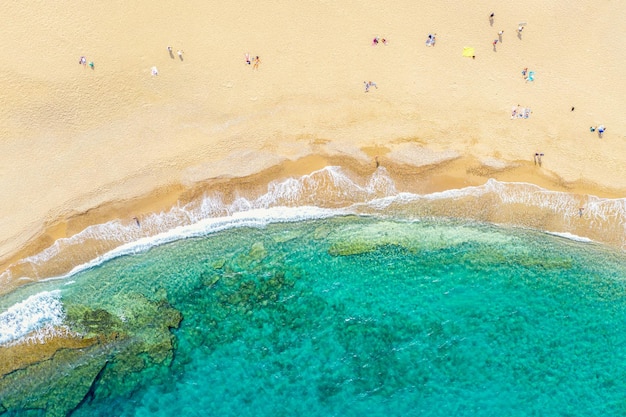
(257, 61)
(180, 54)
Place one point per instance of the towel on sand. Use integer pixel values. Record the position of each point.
(468, 51)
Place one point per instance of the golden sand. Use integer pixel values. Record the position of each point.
(81, 146)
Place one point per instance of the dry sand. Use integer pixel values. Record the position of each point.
(74, 140)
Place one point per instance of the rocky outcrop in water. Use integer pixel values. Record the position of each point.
(57, 376)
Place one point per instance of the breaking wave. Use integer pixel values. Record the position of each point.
(327, 192)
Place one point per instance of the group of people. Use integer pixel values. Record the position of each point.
(600, 129)
(377, 39)
(253, 61)
(171, 52)
(520, 112)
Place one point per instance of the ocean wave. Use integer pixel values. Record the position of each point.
(251, 218)
(570, 236)
(33, 320)
(326, 192)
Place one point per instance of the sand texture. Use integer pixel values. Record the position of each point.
(74, 139)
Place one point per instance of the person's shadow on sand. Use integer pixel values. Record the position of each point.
(181, 57)
(171, 54)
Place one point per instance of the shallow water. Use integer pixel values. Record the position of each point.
(331, 191)
(362, 315)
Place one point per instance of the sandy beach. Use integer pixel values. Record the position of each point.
(82, 146)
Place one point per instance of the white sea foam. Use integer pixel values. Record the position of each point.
(325, 193)
(35, 318)
(329, 187)
(250, 218)
(570, 236)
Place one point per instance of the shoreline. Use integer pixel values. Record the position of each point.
(455, 173)
(84, 145)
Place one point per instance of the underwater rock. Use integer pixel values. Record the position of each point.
(21, 355)
(346, 248)
(91, 323)
(56, 385)
(142, 339)
(218, 264)
(257, 252)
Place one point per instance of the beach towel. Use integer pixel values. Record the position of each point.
(468, 52)
(531, 76)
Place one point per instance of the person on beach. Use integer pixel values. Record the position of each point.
(491, 18)
(375, 41)
(91, 64)
(592, 129)
(600, 131)
(248, 61)
(580, 211)
(495, 42)
(500, 35)
(82, 61)
(155, 71)
(524, 71)
(368, 85)
(180, 54)
(170, 51)
(384, 41)
(257, 61)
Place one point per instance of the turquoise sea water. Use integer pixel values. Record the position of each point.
(353, 316)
